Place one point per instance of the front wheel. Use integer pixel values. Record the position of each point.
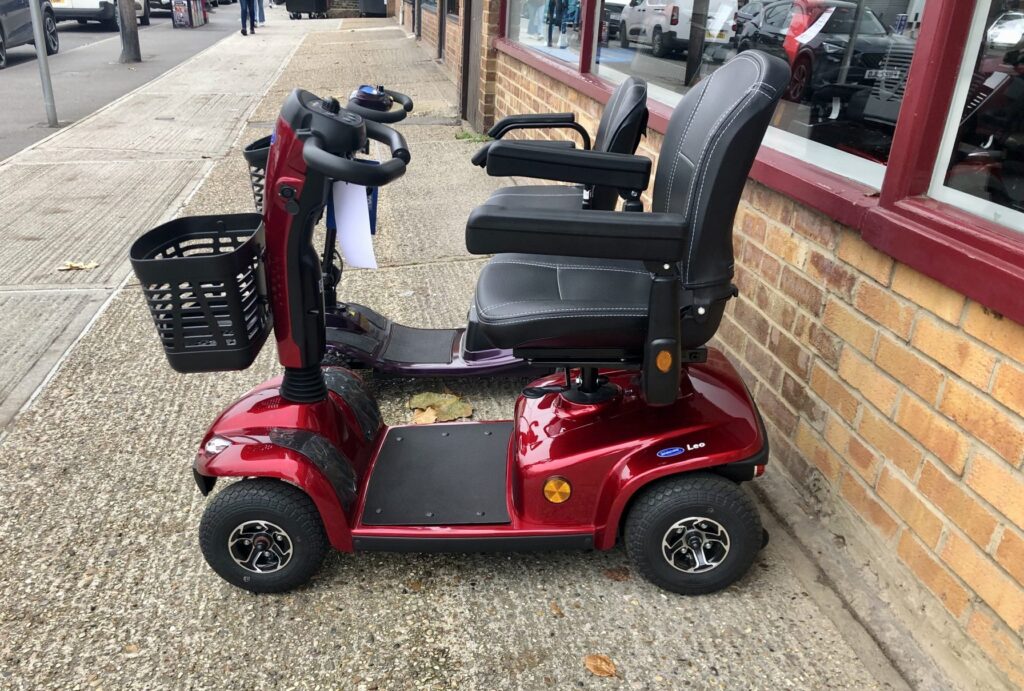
(50, 34)
(693, 534)
(263, 535)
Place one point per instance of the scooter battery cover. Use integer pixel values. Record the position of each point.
(440, 475)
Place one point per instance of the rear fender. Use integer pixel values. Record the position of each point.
(259, 457)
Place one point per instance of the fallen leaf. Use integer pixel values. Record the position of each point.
(131, 648)
(455, 410)
(600, 665)
(446, 406)
(618, 573)
(556, 610)
(414, 586)
(424, 417)
(77, 266)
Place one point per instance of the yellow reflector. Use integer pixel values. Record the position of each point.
(663, 361)
(557, 489)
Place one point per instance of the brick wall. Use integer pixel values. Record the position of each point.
(407, 20)
(885, 393)
(453, 44)
(428, 32)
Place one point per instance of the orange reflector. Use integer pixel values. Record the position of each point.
(758, 470)
(663, 361)
(557, 489)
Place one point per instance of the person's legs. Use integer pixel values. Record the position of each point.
(261, 16)
(248, 15)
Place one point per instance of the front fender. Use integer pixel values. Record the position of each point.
(260, 458)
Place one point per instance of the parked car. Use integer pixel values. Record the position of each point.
(664, 25)
(744, 15)
(102, 11)
(16, 27)
(611, 16)
(814, 45)
(1007, 31)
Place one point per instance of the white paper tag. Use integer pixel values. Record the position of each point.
(815, 28)
(352, 217)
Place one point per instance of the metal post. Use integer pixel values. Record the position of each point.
(44, 65)
(844, 68)
(695, 45)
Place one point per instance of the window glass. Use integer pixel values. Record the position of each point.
(551, 27)
(429, 5)
(849, 60)
(981, 167)
(453, 7)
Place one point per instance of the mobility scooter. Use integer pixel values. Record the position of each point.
(360, 337)
(646, 436)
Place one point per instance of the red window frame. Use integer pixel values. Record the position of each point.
(981, 259)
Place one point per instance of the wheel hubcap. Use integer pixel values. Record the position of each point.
(695, 545)
(260, 547)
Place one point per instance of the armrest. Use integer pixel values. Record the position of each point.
(530, 119)
(539, 121)
(658, 237)
(480, 157)
(526, 159)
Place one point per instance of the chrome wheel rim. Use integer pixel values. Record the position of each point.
(695, 545)
(51, 33)
(260, 547)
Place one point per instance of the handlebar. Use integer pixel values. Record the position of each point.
(351, 170)
(384, 116)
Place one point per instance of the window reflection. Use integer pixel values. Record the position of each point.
(551, 27)
(849, 60)
(988, 156)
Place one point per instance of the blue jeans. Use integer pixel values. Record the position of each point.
(248, 13)
(259, 11)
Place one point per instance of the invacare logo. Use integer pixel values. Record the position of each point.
(679, 450)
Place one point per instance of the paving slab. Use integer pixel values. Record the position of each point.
(53, 213)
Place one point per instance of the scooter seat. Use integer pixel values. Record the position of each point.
(539, 196)
(539, 301)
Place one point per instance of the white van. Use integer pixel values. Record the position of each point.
(664, 25)
(102, 11)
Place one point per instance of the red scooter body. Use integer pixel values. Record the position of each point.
(605, 451)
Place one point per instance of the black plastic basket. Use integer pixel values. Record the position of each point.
(256, 155)
(204, 282)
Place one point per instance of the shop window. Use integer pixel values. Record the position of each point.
(981, 160)
(430, 5)
(550, 27)
(850, 62)
(453, 7)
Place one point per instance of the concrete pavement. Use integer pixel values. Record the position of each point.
(86, 73)
(104, 585)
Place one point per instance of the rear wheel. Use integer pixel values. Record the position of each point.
(658, 47)
(83, 22)
(799, 81)
(263, 535)
(50, 34)
(693, 534)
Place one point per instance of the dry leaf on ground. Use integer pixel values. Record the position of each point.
(600, 665)
(77, 266)
(618, 573)
(424, 417)
(445, 406)
(556, 610)
(414, 586)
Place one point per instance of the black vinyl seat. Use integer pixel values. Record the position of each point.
(622, 124)
(590, 279)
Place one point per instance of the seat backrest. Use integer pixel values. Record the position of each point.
(622, 124)
(709, 147)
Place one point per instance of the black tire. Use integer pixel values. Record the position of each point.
(676, 509)
(144, 19)
(3, 51)
(50, 35)
(623, 36)
(799, 86)
(232, 515)
(658, 48)
(83, 22)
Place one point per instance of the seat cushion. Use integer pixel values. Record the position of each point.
(539, 196)
(526, 300)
